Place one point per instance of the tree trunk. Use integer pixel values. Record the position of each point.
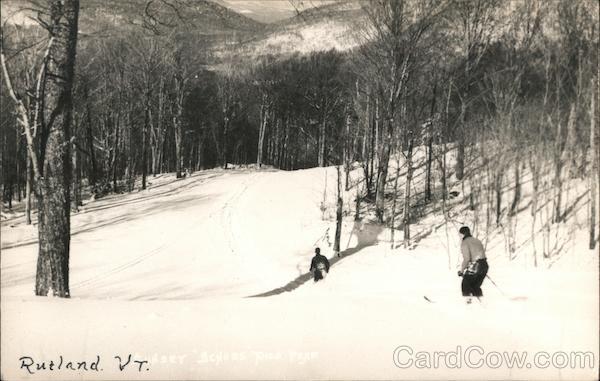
(557, 181)
(144, 141)
(567, 157)
(178, 141)
(76, 184)
(381, 181)
(322, 131)
(155, 146)
(177, 122)
(593, 177)
(18, 166)
(53, 186)
(28, 191)
(365, 154)
(406, 214)
(3, 161)
(130, 169)
(161, 165)
(157, 132)
(498, 189)
(459, 167)
(571, 144)
(116, 152)
(382, 172)
(201, 164)
(460, 155)
(225, 137)
(264, 112)
(357, 205)
(443, 175)
(377, 130)
(92, 177)
(338, 213)
(394, 203)
(430, 132)
(428, 169)
(445, 145)
(372, 152)
(517, 195)
(286, 149)
(535, 177)
(348, 153)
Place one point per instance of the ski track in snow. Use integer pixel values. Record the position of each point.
(94, 280)
(92, 222)
(228, 208)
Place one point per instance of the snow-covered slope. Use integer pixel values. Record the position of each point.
(322, 36)
(321, 28)
(216, 233)
(166, 275)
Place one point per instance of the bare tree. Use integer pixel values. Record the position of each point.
(474, 20)
(338, 212)
(48, 136)
(392, 34)
(228, 100)
(184, 61)
(265, 109)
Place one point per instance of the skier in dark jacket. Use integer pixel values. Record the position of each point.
(319, 265)
(474, 266)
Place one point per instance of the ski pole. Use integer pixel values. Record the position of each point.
(321, 237)
(494, 283)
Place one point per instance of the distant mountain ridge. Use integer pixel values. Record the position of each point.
(314, 29)
(261, 10)
(342, 10)
(117, 16)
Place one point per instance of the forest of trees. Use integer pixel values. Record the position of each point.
(502, 86)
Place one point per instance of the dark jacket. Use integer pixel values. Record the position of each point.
(318, 258)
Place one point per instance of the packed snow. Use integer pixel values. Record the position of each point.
(305, 38)
(206, 277)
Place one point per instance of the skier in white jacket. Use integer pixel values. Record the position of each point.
(474, 266)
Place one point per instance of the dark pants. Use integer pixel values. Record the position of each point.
(317, 274)
(471, 283)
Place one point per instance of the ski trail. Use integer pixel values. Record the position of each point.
(94, 280)
(159, 249)
(221, 237)
(88, 213)
(227, 213)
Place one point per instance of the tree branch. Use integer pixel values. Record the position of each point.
(40, 87)
(22, 110)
